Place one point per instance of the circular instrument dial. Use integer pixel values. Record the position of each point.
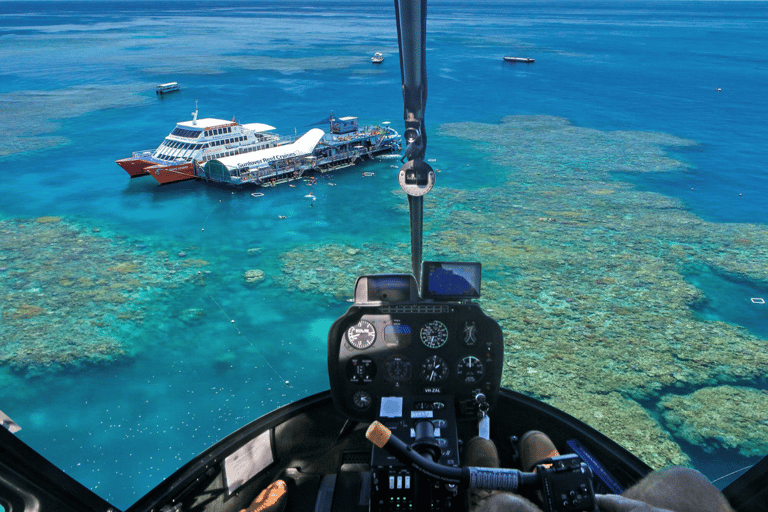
(398, 369)
(434, 334)
(434, 369)
(470, 370)
(362, 400)
(361, 335)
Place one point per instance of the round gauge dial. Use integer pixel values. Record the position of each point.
(470, 369)
(362, 400)
(398, 369)
(434, 369)
(470, 334)
(434, 334)
(361, 335)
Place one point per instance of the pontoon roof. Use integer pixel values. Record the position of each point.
(302, 147)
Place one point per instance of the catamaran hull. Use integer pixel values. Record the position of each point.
(172, 173)
(135, 167)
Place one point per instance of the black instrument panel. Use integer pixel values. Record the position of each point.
(413, 349)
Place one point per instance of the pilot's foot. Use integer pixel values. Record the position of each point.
(481, 453)
(535, 446)
(271, 499)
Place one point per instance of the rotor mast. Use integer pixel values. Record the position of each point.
(416, 177)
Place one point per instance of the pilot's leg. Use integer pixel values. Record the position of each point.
(480, 452)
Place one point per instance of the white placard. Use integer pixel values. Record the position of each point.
(248, 461)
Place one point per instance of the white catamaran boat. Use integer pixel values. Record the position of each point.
(198, 141)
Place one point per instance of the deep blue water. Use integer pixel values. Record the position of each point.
(77, 92)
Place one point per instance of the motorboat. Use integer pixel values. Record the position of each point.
(414, 367)
(525, 60)
(166, 88)
(377, 58)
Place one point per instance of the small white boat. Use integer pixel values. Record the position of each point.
(377, 58)
(166, 88)
(526, 60)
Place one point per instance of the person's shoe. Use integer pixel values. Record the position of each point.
(271, 499)
(481, 453)
(535, 446)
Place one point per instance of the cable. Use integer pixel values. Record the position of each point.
(232, 322)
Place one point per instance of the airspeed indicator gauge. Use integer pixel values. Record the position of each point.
(361, 335)
(434, 334)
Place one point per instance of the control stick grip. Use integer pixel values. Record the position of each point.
(378, 434)
(494, 479)
(469, 477)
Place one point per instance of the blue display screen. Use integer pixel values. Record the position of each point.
(451, 280)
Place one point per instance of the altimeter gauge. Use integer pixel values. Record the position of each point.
(434, 334)
(361, 335)
(434, 369)
(470, 370)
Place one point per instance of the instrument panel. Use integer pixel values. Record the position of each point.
(414, 349)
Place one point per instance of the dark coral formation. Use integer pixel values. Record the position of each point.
(71, 294)
(729, 417)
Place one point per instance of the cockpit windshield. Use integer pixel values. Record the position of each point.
(609, 177)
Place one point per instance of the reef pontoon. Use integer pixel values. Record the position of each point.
(345, 145)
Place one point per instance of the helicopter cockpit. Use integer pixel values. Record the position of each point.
(415, 370)
(421, 367)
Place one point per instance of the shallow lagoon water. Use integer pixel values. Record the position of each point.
(576, 235)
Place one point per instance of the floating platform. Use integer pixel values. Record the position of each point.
(315, 151)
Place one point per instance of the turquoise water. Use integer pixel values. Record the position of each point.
(193, 352)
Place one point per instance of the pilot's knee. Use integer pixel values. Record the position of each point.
(506, 502)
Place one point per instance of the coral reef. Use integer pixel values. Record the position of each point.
(585, 274)
(254, 276)
(721, 417)
(332, 269)
(72, 295)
